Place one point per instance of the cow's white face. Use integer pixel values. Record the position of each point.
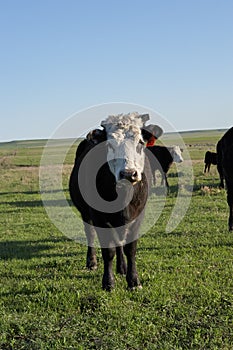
(176, 154)
(125, 146)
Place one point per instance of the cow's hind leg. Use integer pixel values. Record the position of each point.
(164, 180)
(121, 264)
(231, 218)
(91, 260)
(153, 178)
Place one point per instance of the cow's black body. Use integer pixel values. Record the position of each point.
(130, 218)
(162, 162)
(210, 158)
(219, 164)
(225, 168)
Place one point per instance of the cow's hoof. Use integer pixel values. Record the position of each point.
(138, 287)
(134, 284)
(108, 283)
(91, 264)
(230, 225)
(107, 287)
(92, 267)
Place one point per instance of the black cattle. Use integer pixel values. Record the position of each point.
(225, 168)
(117, 230)
(210, 158)
(165, 156)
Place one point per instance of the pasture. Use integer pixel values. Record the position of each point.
(49, 301)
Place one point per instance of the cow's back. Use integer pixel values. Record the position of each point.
(83, 148)
(208, 157)
(163, 156)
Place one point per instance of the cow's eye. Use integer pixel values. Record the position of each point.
(111, 146)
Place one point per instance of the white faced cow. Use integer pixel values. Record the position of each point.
(165, 156)
(114, 160)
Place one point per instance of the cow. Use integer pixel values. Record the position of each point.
(123, 179)
(225, 167)
(165, 157)
(210, 158)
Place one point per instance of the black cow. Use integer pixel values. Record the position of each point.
(210, 158)
(109, 185)
(165, 156)
(225, 167)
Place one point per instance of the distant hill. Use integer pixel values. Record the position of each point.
(42, 142)
(35, 143)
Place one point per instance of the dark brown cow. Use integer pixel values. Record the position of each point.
(225, 168)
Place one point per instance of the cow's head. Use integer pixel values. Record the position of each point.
(126, 136)
(176, 154)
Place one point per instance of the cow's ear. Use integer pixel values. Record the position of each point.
(104, 124)
(145, 118)
(151, 130)
(96, 136)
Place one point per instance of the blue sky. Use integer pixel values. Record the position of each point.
(59, 57)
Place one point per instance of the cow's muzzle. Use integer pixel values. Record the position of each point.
(130, 175)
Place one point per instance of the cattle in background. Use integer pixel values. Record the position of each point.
(210, 158)
(124, 173)
(165, 156)
(225, 167)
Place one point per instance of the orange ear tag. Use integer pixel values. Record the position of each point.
(151, 141)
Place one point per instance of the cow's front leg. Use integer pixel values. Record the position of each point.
(132, 275)
(108, 277)
(220, 171)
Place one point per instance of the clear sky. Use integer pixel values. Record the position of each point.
(58, 57)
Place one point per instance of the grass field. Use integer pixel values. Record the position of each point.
(48, 300)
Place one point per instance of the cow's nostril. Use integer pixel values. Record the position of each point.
(122, 174)
(130, 175)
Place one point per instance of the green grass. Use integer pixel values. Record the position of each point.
(48, 300)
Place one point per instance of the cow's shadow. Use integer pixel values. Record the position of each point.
(164, 191)
(37, 202)
(28, 249)
(33, 192)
